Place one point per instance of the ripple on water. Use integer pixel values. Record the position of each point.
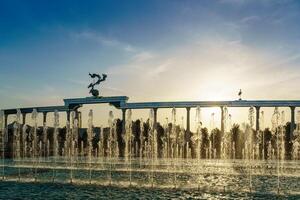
(15, 190)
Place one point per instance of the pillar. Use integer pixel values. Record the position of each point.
(123, 120)
(78, 117)
(44, 118)
(122, 150)
(222, 120)
(68, 116)
(5, 120)
(155, 128)
(24, 118)
(292, 127)
(22, 136)
(76, 114)
(188, 129)
(5, 134)
(155, 118)
(257, 117)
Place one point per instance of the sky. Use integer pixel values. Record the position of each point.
(151, 50)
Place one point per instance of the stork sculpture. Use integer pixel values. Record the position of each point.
(93, 91)
(240, 94)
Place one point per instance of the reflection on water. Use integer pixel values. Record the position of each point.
(13, 190)
(223, 177)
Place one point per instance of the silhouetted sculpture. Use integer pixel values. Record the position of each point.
(240, 94)
(93, 91)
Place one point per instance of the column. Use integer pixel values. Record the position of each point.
(155, 118)
(24, 118)
(122, 150)
(78, 117)
(22, 136)
(188, 120)
(68, 115)
(257, 117)
(123, 120)
(76, 114)
(292, 126)
(5, 142)
(44, 118)
(188, 131)
(222, 119)
(155, 128)
(44, 138)
(5, 120)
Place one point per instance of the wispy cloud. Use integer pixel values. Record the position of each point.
(161, 68)
(78, 82)
(289, 59)
(250, 19)
(143, 56)
(114, 89)
(103, 40)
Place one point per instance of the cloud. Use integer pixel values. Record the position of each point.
(289, 59)
(143, 56)
(250, 19)
(161, 68)
(114, 89)
(101, 39)
(78, 82)
(210, 69)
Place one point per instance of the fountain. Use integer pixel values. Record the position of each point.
(296, 140)
(249, 145)
(16, 140)
(55, 142)
(147, 154)
(262, 135)
(90, 134)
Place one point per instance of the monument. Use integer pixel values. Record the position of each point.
(100, 79)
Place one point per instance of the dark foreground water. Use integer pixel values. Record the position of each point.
(163, 179)
(15, 190)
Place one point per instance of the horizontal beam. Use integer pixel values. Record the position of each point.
(120, 102)
(115, 100)
(74, 103)
(39, 109)
(238, 103)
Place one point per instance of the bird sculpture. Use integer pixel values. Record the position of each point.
(93, 91)
(240, 94)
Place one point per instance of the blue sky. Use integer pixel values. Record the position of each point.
(151, 50)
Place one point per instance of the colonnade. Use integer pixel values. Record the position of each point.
(155, 112)
(188, 109)
(77, 114)
(257, 108)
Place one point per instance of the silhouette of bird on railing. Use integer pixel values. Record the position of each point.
(93, 91)
(240, 94)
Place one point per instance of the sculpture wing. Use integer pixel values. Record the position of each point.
(104, 77)
(94, 75)
(90, 85)
(101, 79)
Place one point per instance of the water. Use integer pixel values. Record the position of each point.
(72, 191)
(55, 143)
(215, 177)
(202, 164)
